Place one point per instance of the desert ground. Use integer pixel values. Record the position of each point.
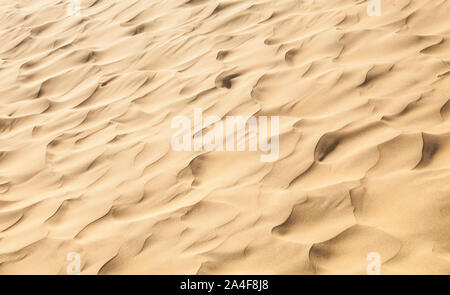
(88, 174)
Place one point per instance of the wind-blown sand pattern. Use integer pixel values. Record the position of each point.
(86, 164)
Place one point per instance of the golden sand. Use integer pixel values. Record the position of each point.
(86, 163)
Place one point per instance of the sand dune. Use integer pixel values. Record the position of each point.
(86, 163)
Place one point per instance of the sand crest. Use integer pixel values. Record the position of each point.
(88, 95)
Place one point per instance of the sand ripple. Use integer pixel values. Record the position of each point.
(86, 164)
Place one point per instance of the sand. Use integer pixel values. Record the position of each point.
(86, 164)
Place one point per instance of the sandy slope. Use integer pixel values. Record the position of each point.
(85, 158)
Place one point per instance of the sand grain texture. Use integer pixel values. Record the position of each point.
(86, 164)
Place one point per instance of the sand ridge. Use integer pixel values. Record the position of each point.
(86, 165)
